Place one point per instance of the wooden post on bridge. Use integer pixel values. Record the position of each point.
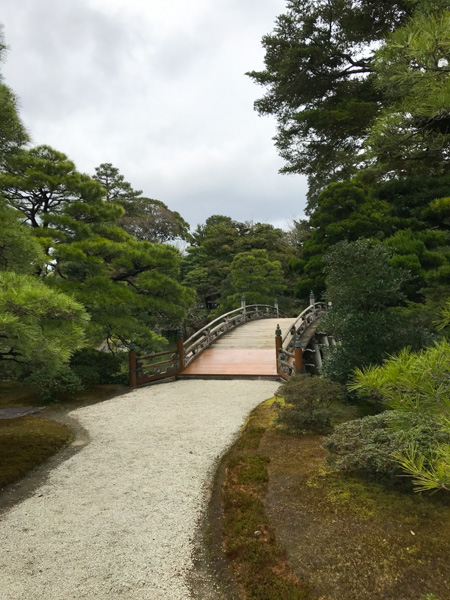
(298, 356)
(132, 366)
(278, 344)
(180, 349)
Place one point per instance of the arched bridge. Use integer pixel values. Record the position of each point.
(245, 342)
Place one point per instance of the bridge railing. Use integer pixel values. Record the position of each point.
(290, 351)
(211, 332)
(148, 368)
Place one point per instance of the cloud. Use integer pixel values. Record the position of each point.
(158, 89)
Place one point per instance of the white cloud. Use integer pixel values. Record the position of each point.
(158, 89)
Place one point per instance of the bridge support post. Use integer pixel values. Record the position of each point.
(278, 344)
(180, 349)
(317, 357)
(298, 356)
(132, 367)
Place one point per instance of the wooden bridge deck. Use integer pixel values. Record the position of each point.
(247, 351)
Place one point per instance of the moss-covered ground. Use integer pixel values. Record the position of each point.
(259, 564)
(295, 529)
(27, 442)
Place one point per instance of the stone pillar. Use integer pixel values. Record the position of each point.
(312, 299)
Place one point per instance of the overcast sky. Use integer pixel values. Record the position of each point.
(158, 88)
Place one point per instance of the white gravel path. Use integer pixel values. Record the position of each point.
(117, 519)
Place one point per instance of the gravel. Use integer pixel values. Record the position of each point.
(118, 519)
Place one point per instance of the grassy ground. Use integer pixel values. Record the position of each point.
(323, 536)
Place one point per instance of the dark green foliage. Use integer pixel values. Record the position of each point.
(358, 84)
(364, 289)
(344, 211)
(369, 339)
(255, 275)
(425, 255)
(366, 447)
(116, 189)
(408, 214)
(208, 263)
(410, 200)
(308, 402)
(12, 132)
(56, 384)
(20, 251)
(42, 182)
(95, 368)
(360, 277)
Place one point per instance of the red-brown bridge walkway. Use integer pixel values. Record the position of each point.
(246, 342)
(247, 351)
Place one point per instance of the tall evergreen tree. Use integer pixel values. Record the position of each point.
(411, 136)
(42, 181)
(319, 82)
(12, 132)
(144, 218)
(39, 327)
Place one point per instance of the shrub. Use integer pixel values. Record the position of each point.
(368, 447)
(97, 368)
(59, 384)
(308, 402)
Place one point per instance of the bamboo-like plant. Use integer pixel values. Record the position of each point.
(417, 383)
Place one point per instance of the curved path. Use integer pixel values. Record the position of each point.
(117, 520)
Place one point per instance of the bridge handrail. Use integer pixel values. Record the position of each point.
(304, 320)
(186, 352)
(211, 332)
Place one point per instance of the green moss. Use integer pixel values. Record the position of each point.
(14, 394)
(372, 500)
(252, 469)
(260, 565)
(27, 442)
(250, 438)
